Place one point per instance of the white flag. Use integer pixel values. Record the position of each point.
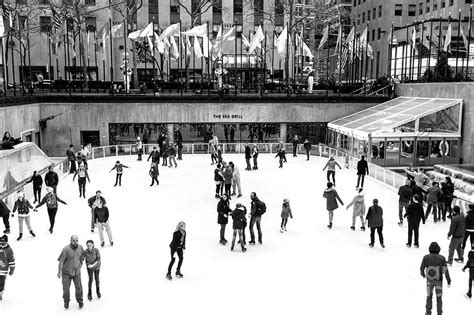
(339, 39)
(172, 30)
(281, 42)
(447, 41)
(160, 45)
(197, 47)
(188, 47)
(413, 39)
(324, 38)
(245, 41)
(257, 38)
(206, 44)
(464, 39)
(370, 51)
(230, 35)
(150, 44)
(2, 27)
(115, 30)
(200, 30)
(104, 41)
(134, 35)
(174, 48)
(147, 31)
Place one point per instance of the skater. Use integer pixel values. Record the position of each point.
(469, 229)
(331, 166)
(69, 269)
(469, 265)
(281, 154)
(223, 211)
(414, 215)
(219, 154)
(119, 167)
(227, 179)
(173, 155)
(7, 263)
(165, 152)
(154, 174)
(285, 213)
(307, 147)
(238, 224)
(101, 217)
(23, 206)
(37, 185)
(179, 144)
(359, 209)
(93, 268)
(433, 267)
(93, 203)
(332, 197)
(235, 180)
(432, 199)
(219, 180)
(255, 157)
(51, 201)
(71, 156)
(247, 158)
(154, 156)
(405, 194)
(5, 214)
(177, 245)
(82, 175)
(456, 233)
(139, 147)
(257, 209)
(295, 145)
(212, 152)
(362, 170)
(375, 222)
(448, 191)
(51, 178)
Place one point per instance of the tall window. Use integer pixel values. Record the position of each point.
(374, 13)
(174, 12)
(279, 13)
(91, 23)
(435, 5)
(217, 13)
(428, 6)
(412, 10)
(421, 8)
(45, 23)
(89, 2)
(368, 16)
(258, 12)
(238, 11)
(153, 11)
(398, 9)
(196, 9)
(443, 3)
(380, 11)
(363, 17)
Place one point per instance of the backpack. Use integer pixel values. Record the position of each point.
(51, 202)
(261, 208)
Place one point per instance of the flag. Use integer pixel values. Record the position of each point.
(147, 31)
(324, 38)
(281, 42)
(2, 27)
(56, 19)
(174, 48)
(464, 39)
(413, 39)
(217, 46)
(206, 43)
(160, 45)
(447, 41)
(88, 43)
(167, 44)
(245, 41)
(197, 47)
(188, 47)
(115, 30)
(339, 39)
(104, 42)
(426, 43)
(200, 30)
(389, 38)
(150, 44)
(370, 51)
(363, 38)
(172, 30)
(230, 35)
(305, 51)
(257, 38)
(134, 35)
(350, 37)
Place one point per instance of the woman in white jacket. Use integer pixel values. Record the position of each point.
(358, 210)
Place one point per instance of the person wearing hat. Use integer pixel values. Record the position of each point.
(5, 214)
(375, 223)
(23, 206)
(456, 233)
(414, 215)
(227, 170)
(93, 203)
(177, 245)
(139, 147)
(433, 267)
(82, 176)
(119, 167)
(37, 184)
(71, 156)
(154, 156)
(470, 265)
(223, 211)
(238, 224)
(7, 262)
(469, 229)
(51, 201)
(285, 213)
(93, 263)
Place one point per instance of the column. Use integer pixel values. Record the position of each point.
(170, 129)
(283, 131)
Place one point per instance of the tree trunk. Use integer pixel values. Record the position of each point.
(85, 75)
(135, 67)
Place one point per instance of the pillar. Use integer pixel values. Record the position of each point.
(283, 131)
(170, 129)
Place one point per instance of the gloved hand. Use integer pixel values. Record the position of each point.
(11, 272)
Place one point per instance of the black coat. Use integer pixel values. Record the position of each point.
(238, 219)
(37, 181)
(176, 241)
(405, 193)
(223, 209)
(4, 211)
(247, 153)
(101, 215)
(362, 168)
(51, 179)
(415, 214)
(470, 220)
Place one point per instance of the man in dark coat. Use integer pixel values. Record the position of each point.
(223, 211)
(375, 222)
(5, 214)
(239, 222)
(94, 203)
(257, 209)
(414, 214)
(405, 194)
(51, 179)
(295, 145)
(469, 228)
(71, 156)
(37, 184)
(247, 157)
(307, 147)
(456, 232)
(362, 170)
(154, 156)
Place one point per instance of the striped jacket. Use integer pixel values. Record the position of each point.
(7, 260)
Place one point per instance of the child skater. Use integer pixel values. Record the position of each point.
(285, 212)
(119, 167)
(281, 153)
(359, 209)
(154, 174)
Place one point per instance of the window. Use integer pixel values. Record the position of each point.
(412, 10)
(358, 19)
(443, 3)
(363, 17)
(43, 2)
(421, 8)
(20, 1)
(451, 3)
(380, 11)
(398, 9)
(238, 10)
(91, 23)
(468, 1)
(379, 33)
(374, 14)
(217, 12)
(428, 6)
(174, 12)
(435, 6)
(355, 3)
(45, 23)
(89, 2)
(23, 22)
(153, 11)
(279, 13)
(373, 34)
(197, 9)
(368, 16)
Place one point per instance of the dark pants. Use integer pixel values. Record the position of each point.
(180, 153)
(441, 211)
(67, 284)
(2, 283)
(52, 215)
(413, 229)
(94, 274)
(433, 205)
(467, 235)
(471, 279)
(213, 158)
(434, 285)
(455, 244)
(72, 166)
(360, 179)
(222, 232)
(256, 220)
(255, 164)
(241, 239)
(379, 232)
(333, 174)
(179, 251)
(140, 152)
(37, 193)
(54, 189)
(281, 162)
(294, 150)
(5, 221)
(118, 180)
(284, 221)
(227, 188)
(249, 167)
(307, 154)
(153, 180)
(82, 186)
(401, 206)
(447, 206)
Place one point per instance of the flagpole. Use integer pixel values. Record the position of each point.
(353, 59)
(447, 56)
(420, 50)
(209, 58)
(389, 54)
(29, 49)
(68, 60)
(235, 58)
(180, 62)
(273, 59)
(202, 62)
(302, 53)
(340, 57)
(287, 63)
(366, 58)
(327, 61)
(22, 65)
(457, 44)
(111, 56)
(429, 54)
(49, 61)
(3, 66)
(249, 67)
(412, 57)
(152, 61)
(264, 60)
(88, 60)
(81, 52)
(439, 42)
(125, 29)
(241, 60)
(469, 42)
(95, 62)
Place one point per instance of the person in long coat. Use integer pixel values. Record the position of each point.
(375, 223)
(332, 197)
(238, 224)
(415, 215)
(359, 209)
(223, 211)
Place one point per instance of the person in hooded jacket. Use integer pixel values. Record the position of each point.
(433, 194)
(282, 155)
(227, 170)
(247, 158)
(375, 223)
(359, 209)
(51, 178)
(257, 209)
(154, 172)
(238, 224)
(177, 245)
(7, 263)
(23, 206)
(172, 157)
(5, 214)
(447, 188)
(285, 213)
(51, 200)
(93, 203)
(469, 229)
(332, 197)
(456, 233)
(37, 184)
(223, 211)
(307, 147)
(331, 166)
(470, 265)
(414, 215)
(165, 153)
(433, 268)
(219, 180)
(154, 156)
(139, 147)
(119, 168)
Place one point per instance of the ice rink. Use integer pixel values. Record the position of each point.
(308, 270)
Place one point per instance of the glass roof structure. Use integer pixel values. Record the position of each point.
(404, 116)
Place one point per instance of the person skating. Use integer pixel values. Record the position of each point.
(93, 203)
(281, 154)
(23, 206)
(414, 215)
(295, 142)
(257, 209)
(285, 213)
(433, 268)
(332, 197)
(307, 147)
(362, 170)
(139, 147)
(248, 155)
(238, 224)
(165, 153)
(37, 185)
(93, 263)
(212, 152)
(154, 172)
(331, 166)
(456, 233)
(154, 156)
(173, 155)
(470, 265)
(227, 170)
(469, 229)
(51, 200)
(219, 180)
(448, 191)
(405, 194)
(7, 263)
(432, 197)
(71, 156)
(255, 157)
(51, 178)
(70, 263)
(119, 168)
(223, 210)
(101, 216)
(235, 180)
(375, 222)
(179, 144)
(5, 214)
(219, 154)
(358, 210)
(82, 175)
(177, 246)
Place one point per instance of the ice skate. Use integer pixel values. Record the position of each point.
(281, 230)
(330, 226)
(244, 249)
(371, 245)
(32, 234)
(362, 228)
(408, 245)
(7, 231)
(467, 296)
(81, 304)
(168, 276)
(353, 228)
(459, 260)
(383, 245)
(179, 274)
(89, 296)
(19, 237)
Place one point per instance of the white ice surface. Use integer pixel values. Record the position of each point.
(309, 269)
